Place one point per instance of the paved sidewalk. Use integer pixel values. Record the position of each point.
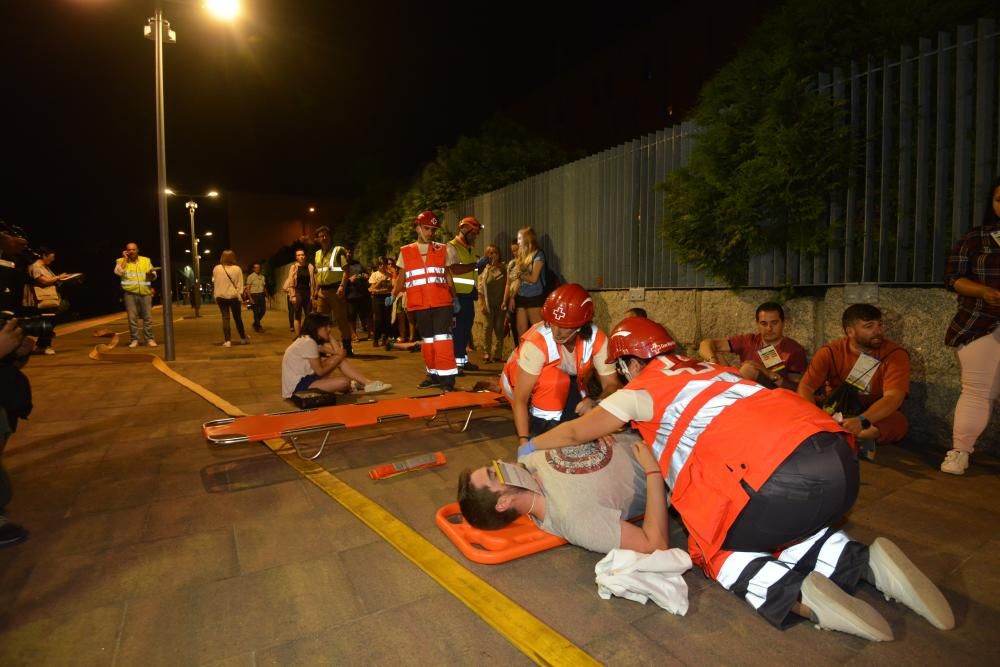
(150, 547)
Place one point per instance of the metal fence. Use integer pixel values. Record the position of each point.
(928, 123)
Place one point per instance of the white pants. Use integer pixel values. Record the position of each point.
(980, 362)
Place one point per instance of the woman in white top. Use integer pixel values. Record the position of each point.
(227, 286)
(303, 368)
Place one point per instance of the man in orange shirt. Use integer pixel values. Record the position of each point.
(873, 367)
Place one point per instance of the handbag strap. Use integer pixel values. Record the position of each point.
(226, 271)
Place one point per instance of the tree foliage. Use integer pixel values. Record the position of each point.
(502, 153)
(772, 150)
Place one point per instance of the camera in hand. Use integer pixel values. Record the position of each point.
(38, 326)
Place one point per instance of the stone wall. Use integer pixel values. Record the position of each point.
(915, 318)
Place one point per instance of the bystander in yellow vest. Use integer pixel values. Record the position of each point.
(134, 278)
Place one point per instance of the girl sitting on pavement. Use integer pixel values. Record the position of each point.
(303, 368)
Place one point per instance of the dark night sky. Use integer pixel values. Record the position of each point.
(298, 97)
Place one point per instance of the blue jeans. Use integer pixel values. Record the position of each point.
(137, 305)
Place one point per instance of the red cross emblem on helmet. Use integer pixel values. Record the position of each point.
(639, 337)
(427, 219)
(568, 306)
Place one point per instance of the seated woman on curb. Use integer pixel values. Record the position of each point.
(303, 368)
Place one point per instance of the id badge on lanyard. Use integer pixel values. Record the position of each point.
(996, 236)
(861, 374)
(772, 360)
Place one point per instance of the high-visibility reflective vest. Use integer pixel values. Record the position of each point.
(426, 279)
(548, 396)
(465, 283)
(712, 431)
(330, 267)
(134, 278)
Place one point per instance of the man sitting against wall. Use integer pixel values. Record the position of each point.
(768, 356)
(864, 377)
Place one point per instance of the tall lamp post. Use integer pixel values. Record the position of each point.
(192, 207)
(158, 29)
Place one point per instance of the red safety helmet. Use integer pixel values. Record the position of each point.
(426, 219)
(471, 222)
(568, 306)
(639, 337)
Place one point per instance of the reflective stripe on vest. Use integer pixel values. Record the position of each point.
(465, 283)
(688, 438)
(327, 270)
(426, 279)
(134, 280)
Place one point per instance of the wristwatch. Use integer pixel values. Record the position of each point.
(865, 423)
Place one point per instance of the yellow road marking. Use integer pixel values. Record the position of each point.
(530, 635)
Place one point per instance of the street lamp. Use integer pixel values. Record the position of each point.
(192, 206)
(157, 29)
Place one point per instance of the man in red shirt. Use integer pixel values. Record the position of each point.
(767, 357)
(873, 367)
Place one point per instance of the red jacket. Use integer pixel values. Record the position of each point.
(713, 430)
(548, 397)
(426, 278)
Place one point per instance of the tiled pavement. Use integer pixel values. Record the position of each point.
(149, 547)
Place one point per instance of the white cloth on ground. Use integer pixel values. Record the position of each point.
(640, 577)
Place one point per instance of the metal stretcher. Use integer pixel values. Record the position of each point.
(295, 424)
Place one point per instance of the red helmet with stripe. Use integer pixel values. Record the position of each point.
(471, 223)
(639, 337)
(426, 219)
(568, 306)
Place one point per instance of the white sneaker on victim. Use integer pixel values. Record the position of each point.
(899, 579)
(227, 344)
(377, 387)
(151, 342)
(49, 350)
(834, 609)
(134, 343)
(956, 462)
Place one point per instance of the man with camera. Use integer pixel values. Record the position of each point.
(15, 347)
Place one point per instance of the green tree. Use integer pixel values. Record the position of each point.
(772, 151)
(503, 153)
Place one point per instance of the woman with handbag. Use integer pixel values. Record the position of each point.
(299, 285)
(45, 291)
(227, 287)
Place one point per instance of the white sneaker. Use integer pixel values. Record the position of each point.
(151, 342)
(227, 344)
(134, 343)
(834, 609)
(49, 350)
(955, 462)
(377, 387)
(899, 579)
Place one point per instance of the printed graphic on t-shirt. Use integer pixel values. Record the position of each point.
(580, 459)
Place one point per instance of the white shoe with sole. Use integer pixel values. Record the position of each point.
(956, 462)
(377, 387)
(134, 343)
(227, 344)
(834, 609)
(899, 579)
(151, 342)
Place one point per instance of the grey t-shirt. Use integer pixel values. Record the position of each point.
(589, 489)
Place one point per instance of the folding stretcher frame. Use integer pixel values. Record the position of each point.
(295, 424)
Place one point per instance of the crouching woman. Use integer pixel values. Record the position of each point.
(303, 368)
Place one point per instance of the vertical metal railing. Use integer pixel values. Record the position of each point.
(928, 129)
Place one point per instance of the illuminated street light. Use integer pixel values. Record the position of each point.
(158, 30)
(192, 206)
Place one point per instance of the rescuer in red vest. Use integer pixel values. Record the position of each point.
(757, 476)
(546, 377)
(430, 295)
